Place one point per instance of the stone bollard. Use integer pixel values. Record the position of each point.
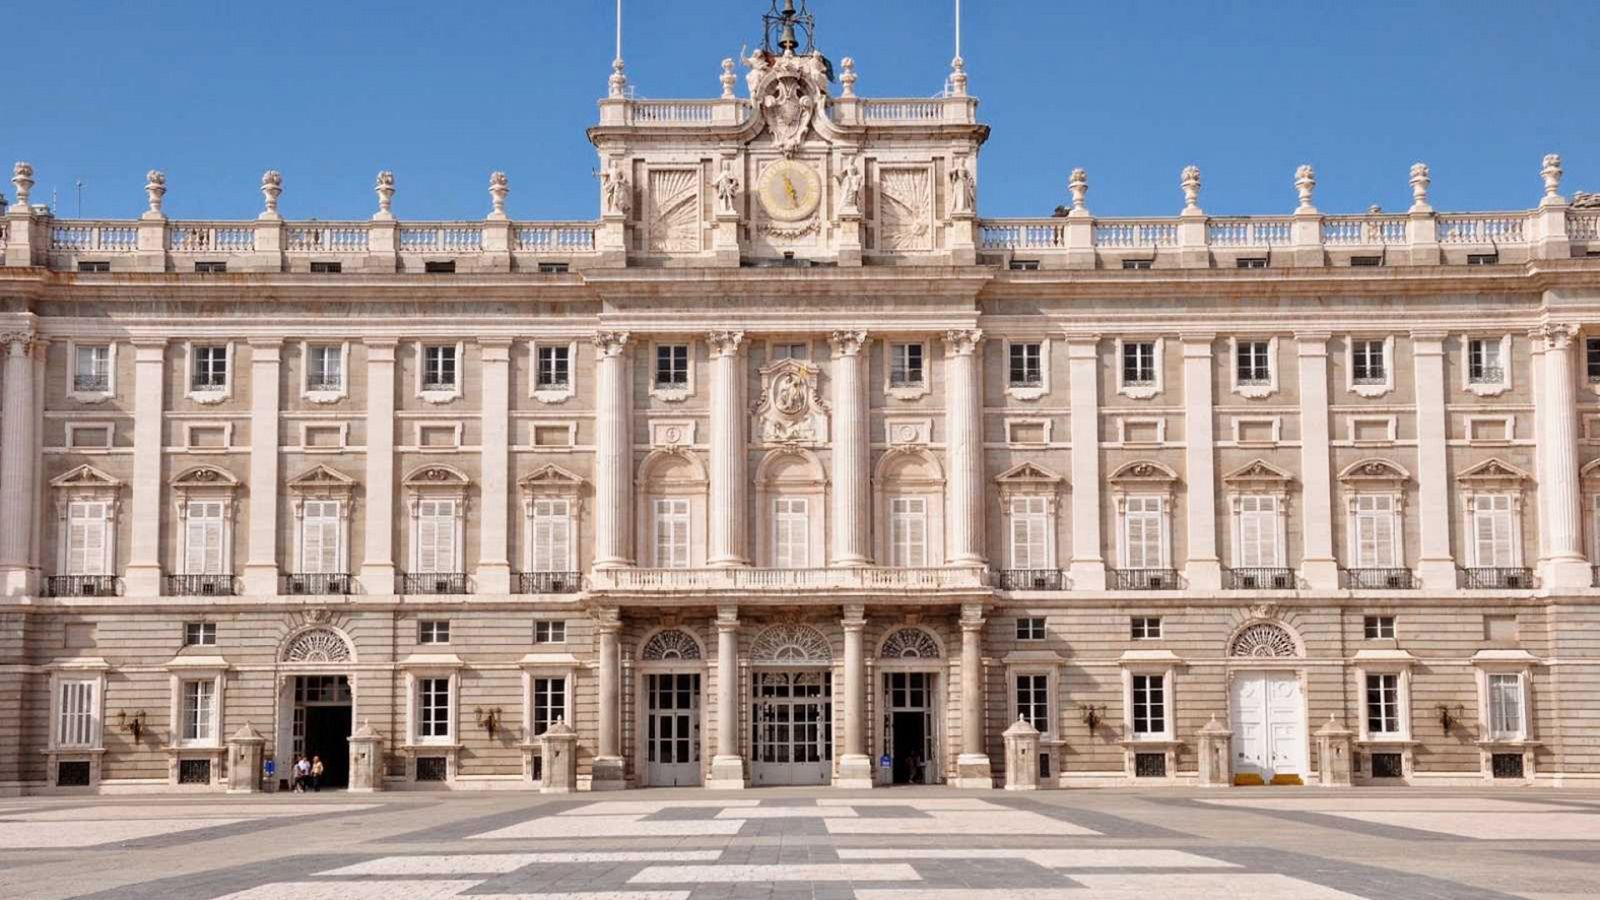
(559, 751)
(1022, 756)
(244, 760)
(1335, 744)
(1216, 755)
(366, 753)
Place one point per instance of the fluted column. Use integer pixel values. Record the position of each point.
(728, 546)
(1203, 569)
(1559, 491)
(852, 533)
(377, 564)
(1318, 567)
(261, 560)
(855, 766)
(609, 773)
(18, 484)
(143, 575)
(964, 446)
(727, 768)
(613, 468)
(972, 766)
(1436, 568)
(1088, 560)
(494, 558)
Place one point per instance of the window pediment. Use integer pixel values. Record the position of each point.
(1143, 474)
(1258, 475)
(909, 466)
(1375, 471)
(1493, 474)
(202, 480)
(790, 467)
(1590, 471)
(438, 478)
(667, 465)
(86, 480)
(552, 480)
(322, 481)
(1030, 478)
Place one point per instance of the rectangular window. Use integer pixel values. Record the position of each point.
(1485, 364)
(672, 365)
(1149, 704)
(1139, 363)
(324, 368)
(1027, 365)
(199, 634)
(1493, 537)
(1258, 532)
(198, 698)
(1030, 628)
(86, 538)
(1145, 628)
(1378, 628)
(1029, 529)
(210, 368)
(789, 351)
(1250, 262)
(554, 268)
(1023, 265)
(549, 703)
(326, 268)
(1367, 363)
(439, 368)
(1591, 359)
(908, 532)
(439, 267)
(1505, 707)
(436, 537)
(92, 370)
(1142, 522)
(76, 717)
(433, 631)
(319, 537)
(552, 535)
(672, 534)
(1033, 701)
(1137, 264)
(1377, 539)
(905, 365)
(555, 367)
(211, 267)
(433, 708)
(549, 632)
(94, 265)
(791, 533)
(1254, 361)
(1483, 259)
(1360, 262)
(1383, 704)
(202, 547)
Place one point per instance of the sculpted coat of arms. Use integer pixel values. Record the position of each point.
(790, 409)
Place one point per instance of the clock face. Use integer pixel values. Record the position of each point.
(790, 191)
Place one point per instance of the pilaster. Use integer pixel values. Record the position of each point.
(143, 575)
(727, 767)
(261, 560)
(613, 463)
(1436, 568)
(964, 446)
(851, 451)
(377, 567)
(1560, 493)
(19, 483)
(494, 561)
(1319, 566)
(1203, 571)
(1083, 364)
(728, 451)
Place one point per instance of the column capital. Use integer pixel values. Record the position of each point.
(608, 619)
(1313, 343)
(19, 343)
(1555, 335)
(381, 349)
(971, 616)
(495, 349)
(1428, 343)
(847, 343)
(727, 617)
(610, 343)
(266, 350)
(855, 617)
(725, 343)
(962, 341)
(1198, 340)
(1083, 346)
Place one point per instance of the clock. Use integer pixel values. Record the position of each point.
(789, 190)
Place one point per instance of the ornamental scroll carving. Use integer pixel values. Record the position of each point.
(318, 645)
(790, 642)
(790, 409)
(1264, 640)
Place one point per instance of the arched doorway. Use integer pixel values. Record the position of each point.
(671, 732)
(911, 696)
(1266, 703)
(791, 706)
(316, 704)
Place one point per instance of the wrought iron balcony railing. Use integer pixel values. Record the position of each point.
(433, 583)
(1486, 375)
(1379, 579)
(310, 584)
(325, 383)
(1032, 580)
(80, 585)
(91, 384)
(1507, 578)
(549, 582)
(1146, 579)
(199, 585)
(1259, 578)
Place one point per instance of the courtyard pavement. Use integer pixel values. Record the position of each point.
(790, 843)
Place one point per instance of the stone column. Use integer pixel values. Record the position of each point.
(366, 756)
(609, 773)
(1560, 494)
(1319, 567)
(972, 766)
(964, 446)
(143, 575)
(727, 767)
(244, 760)
(855, 766)
(377, 565)
(494, 561)
(261, 561)
(1436, 568)
(728, 453)
(613, 464)
(1203, 570)
(1088, 563)
(852, 537)
(18, 455)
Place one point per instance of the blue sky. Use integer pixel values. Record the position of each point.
(215, 91)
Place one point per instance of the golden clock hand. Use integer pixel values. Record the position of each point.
(794, 200)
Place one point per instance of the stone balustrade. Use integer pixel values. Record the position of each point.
(784, 581)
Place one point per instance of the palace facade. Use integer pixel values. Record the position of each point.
(792, 468)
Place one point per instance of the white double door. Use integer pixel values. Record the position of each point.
(672, 728)
(791, 725)
(1268, 724)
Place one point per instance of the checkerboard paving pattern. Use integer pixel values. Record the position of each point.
(100, 824)
(1476, 818)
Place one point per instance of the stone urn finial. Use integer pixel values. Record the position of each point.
(1190, 182)
(271, 188)
(1305, 181)
(958, 77)
(22, 180)
(155, 188)
(499, 187)
(385, 190)
(1078, 186)
(617, 84)
(1420, 179)
(847, 77)
(1551, 173)
(728, 79)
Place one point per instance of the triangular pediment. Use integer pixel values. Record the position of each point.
(1492, 470)
(321, 478)
(1028, 474)
(205, 477)
(1143, 471)
(1258, 471)
(85, 477)
(1374, 469)
(551, 477)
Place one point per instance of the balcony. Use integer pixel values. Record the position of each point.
(315, 584)
(91, 384)
(1145, 580)
(1501, 578)
(786, 581)
(1486, 375)
(433, 583)
(1032, 580)
(548, 583)
(325, 384)
(1379, 579)
(1260, 579)
(199, 585)
(80, 586)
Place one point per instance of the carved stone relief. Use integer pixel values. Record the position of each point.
(674, 211)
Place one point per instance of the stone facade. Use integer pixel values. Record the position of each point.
(791, 468)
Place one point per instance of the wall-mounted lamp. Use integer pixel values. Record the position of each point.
(1092, 715)
(488, 719)
(132, 723)
(1449, 716)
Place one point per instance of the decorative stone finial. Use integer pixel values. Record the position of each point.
(155, 188)
(618, 82)
(1190, 182)
(271, 188)
(499, 187)
(958, 77)
(1419, 187)
(1305, 181)
(385, 190)
(728, 79)
(22, 180)
(1078, 185)
(847, 77)
(1551, 173)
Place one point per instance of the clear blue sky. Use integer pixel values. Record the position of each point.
(215, 91)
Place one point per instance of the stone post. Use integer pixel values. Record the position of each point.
(1088, 563)
(1194, 252)
(151, 241)
(1553, 240)
(142, 578)
(1422, 229)
(851, 451)
(1306, 228)
(366, 760)
(1080, 224)
(20, 248)
(1436, 568)
(558, 754)
(269, 228)
(964, 445)
(1319, 567)
(727, 767)
(383, 233)
(613, 472)
(1335, 745)
(261, 560)
(244, 760)
(1203, 571)
(728, 452)
(498, 233)
(494, 561)
(18, 479)
(972, 766)
(1216, 754)
(1022, 756)
(1560, 494)
(855, 766)
(609, 773)
(377, 565)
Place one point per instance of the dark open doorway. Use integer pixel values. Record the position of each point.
(328, 737)
(910, 743)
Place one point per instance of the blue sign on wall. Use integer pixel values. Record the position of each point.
(885, 761)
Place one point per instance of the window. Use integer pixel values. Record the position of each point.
(789, 351)
(1254, 362)
(92, 369)
(552, 535)
(1146, 628)
(1505, 707)
(1030, 629)
(672, 534)
(1024, 265)
(433, 631)
(94, 265)
(1383, 704)
(439, 267)
(210, 267)
(906, 365)
(1149, 705)
(1033, 701)
(203, 552)
(1027, 365)
(1139, 363)
(1367, 362)
(86, 538)
(210, 368)
(433, 708)
(554, 268)
(791, 533)
(199, 634)
(1250, 262)
(1493, 532)
(908, 532)
(1029, 533)
(1591, 359)
(1376, 534)
(326, 268)
(549, 632)
(1483, 259)
(1258, 533)
(672, 365)
(436, 537)
(324, 368)
(199, 698)
(78, 714)
(549, 703)
(1378, 628)
(439, 368)
(1485, 361)
(1137, 264)
(1359, 262)
(319, 538)
(1142, 522)
(555, 367)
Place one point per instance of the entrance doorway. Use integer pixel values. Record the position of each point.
(672, 728)
(1268, 725)
(791, 727)
(908, 726)
(322, 720)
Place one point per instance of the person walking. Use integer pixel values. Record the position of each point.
(316, 773)
(302, 772)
